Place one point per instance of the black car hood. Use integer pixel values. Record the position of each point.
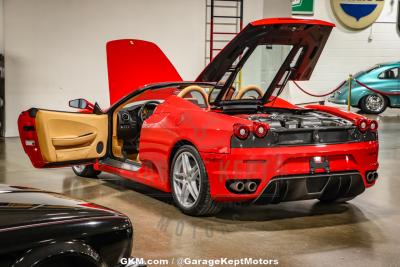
(21, 206)
(311, 35)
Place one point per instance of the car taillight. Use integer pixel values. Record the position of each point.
(363, 125)
(241, 131)
(373, 126)
(260, 129)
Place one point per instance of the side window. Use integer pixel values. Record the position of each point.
(390, 74)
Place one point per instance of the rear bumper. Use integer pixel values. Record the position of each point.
(318, 186)
(270, 165)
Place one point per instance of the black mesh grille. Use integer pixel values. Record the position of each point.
(317, 186)
(295, 138)
(335, 136)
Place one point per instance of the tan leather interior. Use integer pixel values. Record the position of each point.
(69, 141)
(65, 136)
(229, 93)
(193, 88)
(117, 144)
(249, 88)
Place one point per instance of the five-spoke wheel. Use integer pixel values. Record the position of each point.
(186, 178)
(189, 183)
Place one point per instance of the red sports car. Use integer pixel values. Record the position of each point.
(227, 137)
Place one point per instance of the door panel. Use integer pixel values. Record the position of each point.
(63, 137)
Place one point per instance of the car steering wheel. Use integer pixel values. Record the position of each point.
(146, 111)
(250, 88)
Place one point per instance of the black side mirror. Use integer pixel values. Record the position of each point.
(79, 103)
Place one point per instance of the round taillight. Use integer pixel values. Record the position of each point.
(241, 131)
(363, 125)
(373, 126)
(260, 129)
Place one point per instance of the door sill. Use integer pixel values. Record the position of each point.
(128, 165)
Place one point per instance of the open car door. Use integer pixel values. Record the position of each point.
(58, 138)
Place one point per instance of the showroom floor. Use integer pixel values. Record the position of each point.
(364, 232)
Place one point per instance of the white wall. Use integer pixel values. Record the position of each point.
(350, 51)
(1, 27)
(277, 8)
(262, 63)
(55, 49)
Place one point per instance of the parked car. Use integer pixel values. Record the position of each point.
(384, 79)
(44, 229)
(222, 138)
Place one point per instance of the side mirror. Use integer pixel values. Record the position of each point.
(79, 103)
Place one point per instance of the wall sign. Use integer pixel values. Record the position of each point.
(302, 7)
(357, 14)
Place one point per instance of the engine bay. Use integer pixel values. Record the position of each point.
(301, 127)
(305, 120)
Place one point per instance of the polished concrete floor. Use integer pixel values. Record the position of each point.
(364, 232)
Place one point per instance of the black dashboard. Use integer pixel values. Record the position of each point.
(128, 123)
(130, 119)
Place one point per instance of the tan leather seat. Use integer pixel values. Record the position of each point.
(194, 88)
(249, 88)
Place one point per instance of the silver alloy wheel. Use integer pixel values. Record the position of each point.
(375, 103)
(79, 168)
(186, 179)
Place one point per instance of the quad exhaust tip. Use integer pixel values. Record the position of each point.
(251, 186)
(237, 186)
(372, 176)
(242, 186)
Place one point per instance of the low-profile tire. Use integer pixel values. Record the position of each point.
(189, 184)
(335, 200)
(374, 104)
(85, 171)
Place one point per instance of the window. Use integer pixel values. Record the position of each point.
(256, 75)
(390, 74)
(259, 71)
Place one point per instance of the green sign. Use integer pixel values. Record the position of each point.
(303, 7)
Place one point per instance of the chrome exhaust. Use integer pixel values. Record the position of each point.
(370, 177)
(237, 186)
(376, 175)
(251, 186)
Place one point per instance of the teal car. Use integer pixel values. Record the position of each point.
(383, 79)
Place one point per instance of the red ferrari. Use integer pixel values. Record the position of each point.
(227, 137)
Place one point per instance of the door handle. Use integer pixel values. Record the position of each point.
(66, 141)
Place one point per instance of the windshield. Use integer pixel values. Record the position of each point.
(257, 73)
